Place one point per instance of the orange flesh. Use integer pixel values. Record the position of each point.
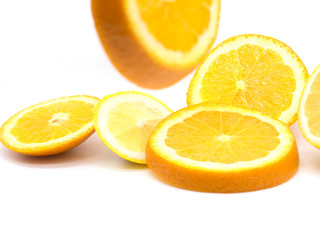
(222, 137)
(312, 107)
(52, 121)
(248, 77)
(136, 125)
(176, 18)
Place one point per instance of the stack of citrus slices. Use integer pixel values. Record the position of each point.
(234, 135)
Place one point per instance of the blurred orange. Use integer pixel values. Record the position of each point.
(156, 43)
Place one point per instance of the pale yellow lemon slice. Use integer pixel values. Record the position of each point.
(124, 122)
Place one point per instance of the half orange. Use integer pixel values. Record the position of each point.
(156, 43)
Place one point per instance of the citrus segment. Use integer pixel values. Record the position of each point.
(124, 122)
(156, 43)
(251, 71)
(50, 127)
(309, 114)
(212, 148)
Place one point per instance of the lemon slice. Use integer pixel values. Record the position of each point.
(124, 122)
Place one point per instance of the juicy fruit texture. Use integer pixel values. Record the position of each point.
(177, 21)
(238, 137)
(309, 110)
(50, 127)
(252, 71)
(156, 43)
(124, 122)
(212, 148)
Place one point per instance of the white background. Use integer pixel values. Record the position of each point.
(50, 49)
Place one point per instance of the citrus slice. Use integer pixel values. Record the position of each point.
(50, 127)
(124, 122)
(309, 110)
(251, 71)
(156, 43)
(212, 148)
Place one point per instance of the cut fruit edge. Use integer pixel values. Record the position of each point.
(166, 56)
(302, 120)
(106, 105)
(156, 142)
(289, 57)
(12, 143)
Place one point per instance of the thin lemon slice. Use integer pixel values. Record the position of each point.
(156, 43)
(50, 127)
(212, 148)
(309, 110)
(124, 122)
(252, 71)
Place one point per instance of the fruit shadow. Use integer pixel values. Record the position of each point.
(308, 154)
(92, 152)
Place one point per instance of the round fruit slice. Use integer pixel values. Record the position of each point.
(251, 71)
(156, 43)
(124, 122)
(50, 127)
(212, 148)
(309, 110)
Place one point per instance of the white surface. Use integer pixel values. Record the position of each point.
(50, 49)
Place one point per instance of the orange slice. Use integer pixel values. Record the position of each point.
(156, 43)
(124, 122)
(212, 148)
(252, 71)
(50, 127)
(309, 110)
